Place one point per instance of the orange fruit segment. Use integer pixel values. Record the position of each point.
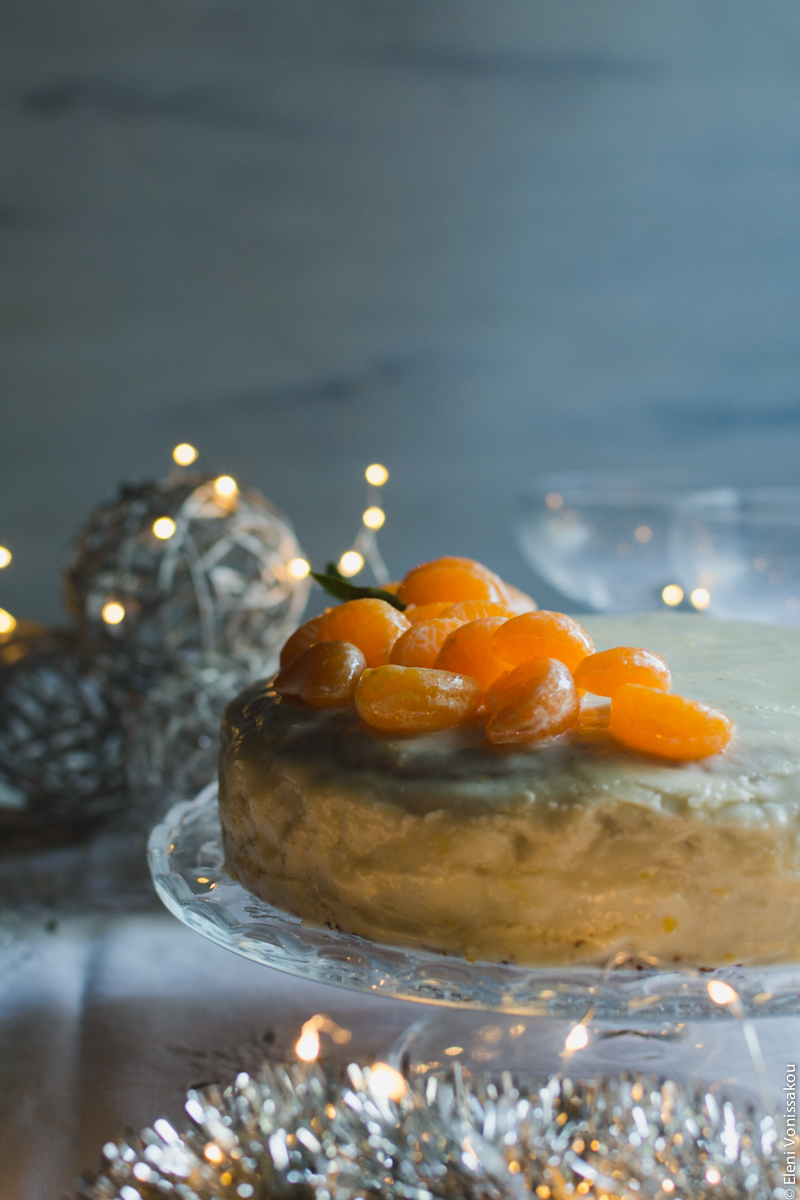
(656, 722)
(419, 645)
(426, 612)
(469, 650)
(372, 625)
(533, 703)
(520, 601)
(410, 700)
(324, 676)
(542, 635)
(473, 610)
(452, 579)
(604, 674)
(303, 637)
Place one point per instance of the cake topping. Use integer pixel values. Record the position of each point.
(458, 654)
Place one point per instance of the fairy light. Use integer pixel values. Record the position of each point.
(7, 623)
(672, 594)
(554, 500)
(351, 563)
(113, 612)
(376, 475)
(298, 568)
(307, 1046)
(721, 993)
(700, 598)
(5, 557)
(577, 1039)
(213, 1153)
(373, 517)
(164, 528)
(184, 454)
(387, 1083)
(226, 486)
(643, 533)
(713, 1176)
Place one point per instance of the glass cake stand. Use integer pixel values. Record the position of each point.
(647, 1010)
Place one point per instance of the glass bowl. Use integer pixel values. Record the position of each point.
(602, 540)
(740, 548)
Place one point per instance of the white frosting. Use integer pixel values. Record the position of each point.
(557, 854)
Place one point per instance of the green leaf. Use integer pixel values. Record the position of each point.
(335, 584)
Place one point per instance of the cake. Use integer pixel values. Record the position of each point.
(558, 853)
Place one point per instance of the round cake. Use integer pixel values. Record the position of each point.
(555, 854)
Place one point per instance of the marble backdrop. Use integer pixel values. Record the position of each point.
(473, 239)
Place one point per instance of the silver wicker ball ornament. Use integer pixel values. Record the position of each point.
(184, 570)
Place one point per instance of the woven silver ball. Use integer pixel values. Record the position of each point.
(62, 754)
(191, 570)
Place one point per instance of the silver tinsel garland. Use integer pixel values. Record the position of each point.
(317, 1131)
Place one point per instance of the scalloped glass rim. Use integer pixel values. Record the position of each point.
(187, 865)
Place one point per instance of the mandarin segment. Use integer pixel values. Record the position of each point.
(533, 703)
(372, 625)
(542, 635)
(408, 700)
(452, 579)
(656, 722)
(604, 674)
(474, 610)
(303, 637)
(420, 645)
(520, 601)
(324, 676)
(469, 650)
(426, 612)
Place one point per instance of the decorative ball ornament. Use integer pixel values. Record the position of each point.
(62, 754)
(184, 569)
(320, 1132)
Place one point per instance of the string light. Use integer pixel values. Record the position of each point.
(721, 993)
(700, 598)
(386, 1082)
(672, 594)
(113, 612)
(351, 563)
(307, 1047)
(7, 622)
(373, 517)
(5, 557)
(643, 533)
(213, 1153)
(184, 454)
(226, 486)
(577, 1039)
(164, 528)
(554, 500)
(298, 568)
(376, 474)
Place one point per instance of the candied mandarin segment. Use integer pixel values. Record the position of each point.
(420, 645)
(660, 723)
(410, 700)
(426, 612)
(325, 675)
(520, 601)
(372, 625)
(542, 635)
(604, 674)
(469, 651)
(304, 636)
(452, 579)
(533, 703)
(473, 610)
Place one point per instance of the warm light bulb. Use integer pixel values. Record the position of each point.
(577, 1039)
(184, 454)
(554, 500)
(350, 563)
(213, 1153)
(373, 517)
(386, 1082)
(225, 486)
(643, 533)
(700, 598)
(307, 1047)
(7, 622)
(164, 528)
(298, 568)
(376, 474)
(113, 612)
(672, 594)
(720, 992)
(5, 557)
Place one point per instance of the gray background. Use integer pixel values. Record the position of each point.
(474, 239)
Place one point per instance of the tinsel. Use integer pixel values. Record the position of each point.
(317, 1131)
